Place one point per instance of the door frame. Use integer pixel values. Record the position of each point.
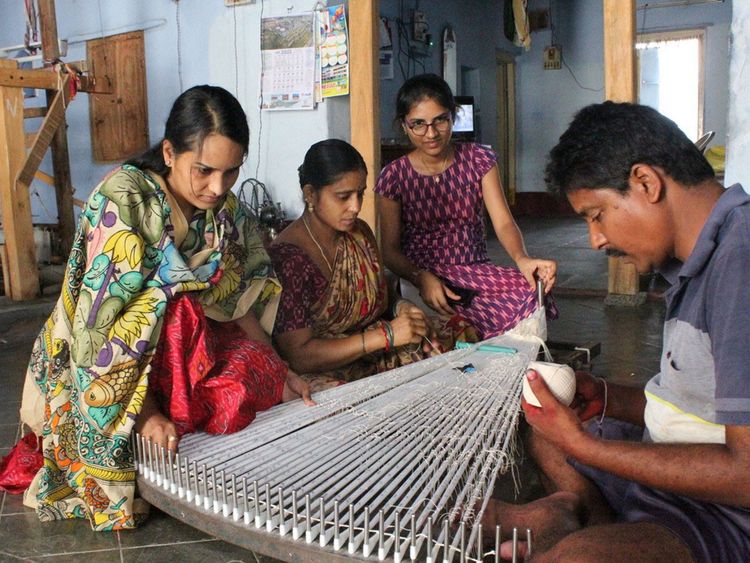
(675, 35)
(505, 79)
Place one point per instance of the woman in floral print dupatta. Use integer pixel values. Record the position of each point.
(163, 321)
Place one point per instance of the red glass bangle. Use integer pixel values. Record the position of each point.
(385, 335)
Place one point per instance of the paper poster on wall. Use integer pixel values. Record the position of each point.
(288, 56)
(334, 52)
(386, 64)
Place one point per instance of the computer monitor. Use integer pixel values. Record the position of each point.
(464, 127)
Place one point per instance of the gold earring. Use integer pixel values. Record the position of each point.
(168, 163)
(310, 206)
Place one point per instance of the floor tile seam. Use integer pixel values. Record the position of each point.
(119, 542)
(119, 546)
(658, 345)
(185, 542)
(583, 280)
(580, 239)
(29, 511)
(15, 557)
(59, 553)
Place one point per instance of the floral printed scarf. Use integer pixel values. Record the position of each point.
(88, 373)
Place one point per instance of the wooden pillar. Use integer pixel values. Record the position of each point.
(17, 225)
(364, 102)
(620, 86)
(63, 184)
(59, 144)
(48, 31)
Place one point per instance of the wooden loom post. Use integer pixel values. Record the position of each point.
(620, 86)
(59, 143)
(365, 96)
(17, 225)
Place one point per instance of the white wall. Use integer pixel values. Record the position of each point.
(207, 35)
(548, 99)
(738, 145)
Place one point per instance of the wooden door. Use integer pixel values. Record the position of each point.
(119, 120)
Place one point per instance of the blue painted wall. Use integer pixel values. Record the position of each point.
(547, 100)
(208, 34)
(478, 27)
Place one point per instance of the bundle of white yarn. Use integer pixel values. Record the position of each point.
(560, 378)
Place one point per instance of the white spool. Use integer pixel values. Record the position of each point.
(560, 378)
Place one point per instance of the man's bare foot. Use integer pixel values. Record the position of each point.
(506, 550)
(550, 519)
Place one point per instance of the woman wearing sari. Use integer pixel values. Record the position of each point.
(162, 325)
(331, 324)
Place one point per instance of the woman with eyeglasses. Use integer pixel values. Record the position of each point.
(431, 205)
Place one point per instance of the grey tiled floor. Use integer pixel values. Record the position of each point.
(630, 339)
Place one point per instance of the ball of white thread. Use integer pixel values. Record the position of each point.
(560, 378)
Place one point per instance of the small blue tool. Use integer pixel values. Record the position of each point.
(487, 348)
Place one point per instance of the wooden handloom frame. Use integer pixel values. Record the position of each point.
(18, 169)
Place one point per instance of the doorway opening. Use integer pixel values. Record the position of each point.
(670, 76)
(506, 122)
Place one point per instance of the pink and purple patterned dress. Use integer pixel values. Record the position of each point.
(442, 230)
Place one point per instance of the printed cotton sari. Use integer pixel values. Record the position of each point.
(133, 253)
(355, 299)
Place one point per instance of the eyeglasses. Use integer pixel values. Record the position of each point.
(440, 124)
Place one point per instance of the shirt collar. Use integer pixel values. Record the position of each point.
(673, 269)
(733, 197)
